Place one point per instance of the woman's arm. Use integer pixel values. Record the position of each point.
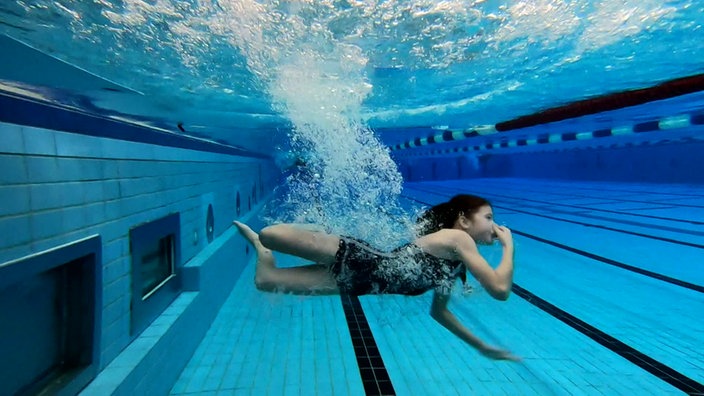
(497, 281)
(442, 315)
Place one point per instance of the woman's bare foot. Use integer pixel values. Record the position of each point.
(248, 233)
(265, 259)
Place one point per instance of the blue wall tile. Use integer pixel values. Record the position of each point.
(42, 170)
(72, 145)
(13, 169)
(39, 141)
(11, 138)
(14, 200)
(15, 231)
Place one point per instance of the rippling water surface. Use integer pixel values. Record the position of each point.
(320, 74)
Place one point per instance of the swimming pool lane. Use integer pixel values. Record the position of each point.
(657, 318)
(271, 344)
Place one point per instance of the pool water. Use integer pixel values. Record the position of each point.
(358, 115)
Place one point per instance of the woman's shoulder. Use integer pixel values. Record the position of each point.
(450, 235)
(445, 242)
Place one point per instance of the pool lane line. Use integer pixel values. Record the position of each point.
(375, 378)
(661, 197)
(591, 106)
(613, 101)
(657, 238)
(588, 208)
(654, 367)
(615, 263)
(649, 236)
(645, 225)
(561, 196)
(605, 260)
(545, 183)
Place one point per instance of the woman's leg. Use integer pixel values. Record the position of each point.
(315, 246)
(308, 279)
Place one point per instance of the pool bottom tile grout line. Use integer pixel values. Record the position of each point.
(375, 378)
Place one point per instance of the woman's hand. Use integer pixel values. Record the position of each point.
(498, 354)
(503, 234)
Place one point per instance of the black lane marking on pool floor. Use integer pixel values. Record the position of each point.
(654, 367)
(695, 222)
(606, 260)
(602, 189)
(590, 216)
(615, 199)
(603, 227)
(615, 263)
(375, 378)
(655, 237)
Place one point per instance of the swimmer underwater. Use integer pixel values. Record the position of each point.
(446, 247)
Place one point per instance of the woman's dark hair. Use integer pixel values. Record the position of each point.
(445, 214)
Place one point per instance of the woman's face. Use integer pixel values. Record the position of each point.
(482, 225)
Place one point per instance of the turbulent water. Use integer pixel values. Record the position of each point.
(328, 70)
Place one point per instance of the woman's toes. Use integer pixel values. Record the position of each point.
(246, 231)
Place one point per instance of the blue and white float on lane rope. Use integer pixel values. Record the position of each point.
(449, 135)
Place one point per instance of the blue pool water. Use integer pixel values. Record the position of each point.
(125, 122)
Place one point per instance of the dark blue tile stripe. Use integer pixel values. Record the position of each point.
(603, 189)
(603, 227)
(601, 196)
(591, 209)
(615, 263)
(654, 367)
(687, 221)
(23, 111)
(375, 378)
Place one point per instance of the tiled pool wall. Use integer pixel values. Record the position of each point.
(651, 135)
(655, 163)
(58, 187)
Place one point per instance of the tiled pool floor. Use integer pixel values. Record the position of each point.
(280, 344)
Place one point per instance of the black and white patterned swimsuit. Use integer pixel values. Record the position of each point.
(360, 269)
